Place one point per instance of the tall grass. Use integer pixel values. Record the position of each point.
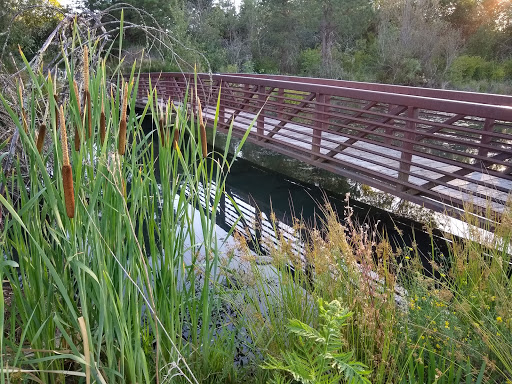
(111, 264)
(409, 325)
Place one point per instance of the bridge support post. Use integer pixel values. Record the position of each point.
(320, 124)
(406, 158)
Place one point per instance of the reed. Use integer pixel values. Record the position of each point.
(77, 131)
(87, 93)
(162, 132)
(202, 129)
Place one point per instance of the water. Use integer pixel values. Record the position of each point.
(299, 190)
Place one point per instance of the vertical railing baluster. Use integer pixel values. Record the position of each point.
(406, 158)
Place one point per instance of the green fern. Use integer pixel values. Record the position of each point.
(316, 356)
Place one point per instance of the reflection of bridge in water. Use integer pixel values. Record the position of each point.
(253, 220)
(439, 149)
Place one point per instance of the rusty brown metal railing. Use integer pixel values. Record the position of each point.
(444, 150)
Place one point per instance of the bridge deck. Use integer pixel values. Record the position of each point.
(437, 152)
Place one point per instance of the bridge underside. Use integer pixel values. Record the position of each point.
(439, 153)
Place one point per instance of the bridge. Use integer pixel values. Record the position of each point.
(444, 150)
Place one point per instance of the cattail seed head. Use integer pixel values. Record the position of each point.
(40, 138)
(69, 193)
(124, 105)
(86, 68)
(64, 138)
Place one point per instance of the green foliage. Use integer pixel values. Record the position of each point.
(318, 355)
(475, 68)
(310, 62)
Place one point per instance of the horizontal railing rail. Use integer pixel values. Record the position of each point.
(444, 150)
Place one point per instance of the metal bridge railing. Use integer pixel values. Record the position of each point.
(440, 149)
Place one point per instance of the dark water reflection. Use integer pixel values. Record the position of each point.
(261, 193)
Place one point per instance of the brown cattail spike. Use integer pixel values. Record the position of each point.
(67, 173)
(69, 193)
(202, 129)
(86, 68)
(64, 138)
(40, 138)
(122, 122)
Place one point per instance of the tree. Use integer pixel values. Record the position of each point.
(408, 53)
(338, 24)
(26, 23)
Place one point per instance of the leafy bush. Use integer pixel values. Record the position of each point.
(319, 355)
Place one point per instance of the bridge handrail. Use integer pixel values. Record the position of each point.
(434, 151)
(449, 94)
(497, 112)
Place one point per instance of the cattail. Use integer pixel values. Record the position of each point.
(40, 138)
(122, 123)
(103, 120)
(202, 129)
(77, 132)
(87, 94)
(86, 67)
(67, 173)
